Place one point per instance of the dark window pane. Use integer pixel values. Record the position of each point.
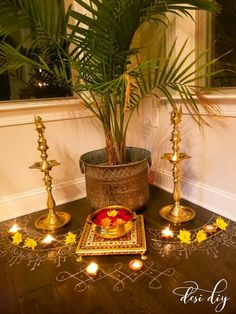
(28, 82)
(5, 92)
(224, 28)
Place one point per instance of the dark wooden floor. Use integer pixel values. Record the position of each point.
(52, 281)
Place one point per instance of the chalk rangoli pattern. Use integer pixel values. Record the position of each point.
(210, 246)
(120, 274)
(57, 253)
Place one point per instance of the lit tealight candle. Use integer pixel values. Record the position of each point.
(167, 233)
(14, 228)
(48, 239)
(209, 228)
(136, 264)
(92, 269)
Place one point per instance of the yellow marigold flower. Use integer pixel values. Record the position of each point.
(220, 223)
(105, 222)
(119, 221)
(201, 236)
(30, 243)
(184, 236)
(17, 238)
(70, 238)
(112, 213)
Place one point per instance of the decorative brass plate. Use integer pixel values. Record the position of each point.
(134, 242)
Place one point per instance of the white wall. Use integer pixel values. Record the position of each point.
(208, 178)
(70, 131)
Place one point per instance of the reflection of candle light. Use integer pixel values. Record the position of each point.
(92, 269)
(136, 264)
(210, 228)
(167, 249)
(14, 228)
(48, 239)
(41, 84)
(167, 233)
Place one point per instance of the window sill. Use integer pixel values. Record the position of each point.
(226, 102)
(21, 112)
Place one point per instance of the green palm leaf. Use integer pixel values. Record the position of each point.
(97, 45)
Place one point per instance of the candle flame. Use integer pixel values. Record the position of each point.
(14, 228)
(48, 239)
(210, 228)
(167, 232)
(92, 268)
(136, 264)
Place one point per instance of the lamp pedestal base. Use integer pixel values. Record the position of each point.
(52, 221)
(181, 214)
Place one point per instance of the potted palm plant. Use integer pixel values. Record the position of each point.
(91, 52)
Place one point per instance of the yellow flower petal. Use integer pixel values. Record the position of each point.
(119, 221)
(220, 223)
(201, 236)
(70, 238)
(112, 213)
(30, 243)
(17, 238)
(105, 222)
(184, 236)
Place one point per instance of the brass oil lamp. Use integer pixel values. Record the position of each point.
(52, 220)
(176, 213)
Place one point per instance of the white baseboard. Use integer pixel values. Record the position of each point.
(31, 201)
(218, 201)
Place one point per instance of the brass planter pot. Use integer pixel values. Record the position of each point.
(125, 184)
(112, 232)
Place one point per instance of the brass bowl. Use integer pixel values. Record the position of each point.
(112, 231)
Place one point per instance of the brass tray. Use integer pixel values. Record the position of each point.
(134, 242)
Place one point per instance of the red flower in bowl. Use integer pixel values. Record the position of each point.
(112, 216)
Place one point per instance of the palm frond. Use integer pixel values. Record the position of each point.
(97, 45)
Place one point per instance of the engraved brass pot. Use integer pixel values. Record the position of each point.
(125, 184)
(112, 232)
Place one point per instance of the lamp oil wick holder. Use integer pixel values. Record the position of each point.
(176, 213)
(53, 220)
